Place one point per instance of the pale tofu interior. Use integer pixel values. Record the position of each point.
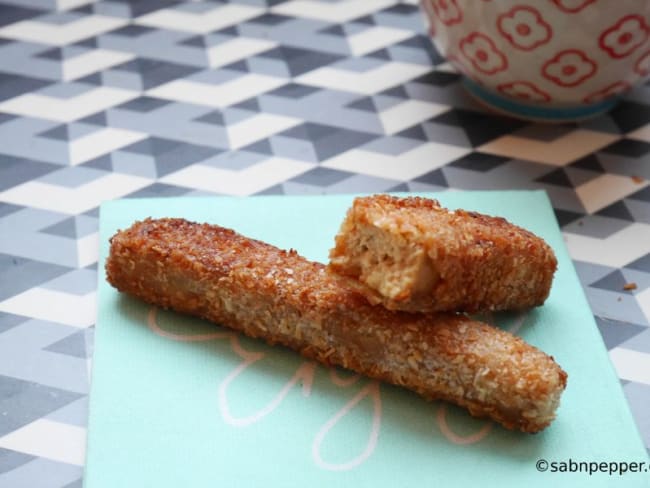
(396, 268)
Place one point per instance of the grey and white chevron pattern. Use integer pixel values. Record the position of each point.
(102, 100)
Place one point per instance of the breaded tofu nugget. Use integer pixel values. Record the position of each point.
(412, 254)
(282, 298)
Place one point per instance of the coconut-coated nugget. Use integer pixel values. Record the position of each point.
(414, 255)
(282, 298)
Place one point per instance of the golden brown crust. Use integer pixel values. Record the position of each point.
(280, 297)
(411, 254)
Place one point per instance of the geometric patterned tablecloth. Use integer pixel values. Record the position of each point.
(103, 100)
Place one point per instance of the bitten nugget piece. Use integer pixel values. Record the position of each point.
(411, 254)
(280, 297)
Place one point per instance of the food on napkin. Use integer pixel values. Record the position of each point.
(414, 255)
(282, 298)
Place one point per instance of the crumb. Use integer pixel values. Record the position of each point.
(580, 223)
(629, 286)
(638, 179)
(619, 299)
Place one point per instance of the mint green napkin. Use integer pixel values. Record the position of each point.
(176, 401)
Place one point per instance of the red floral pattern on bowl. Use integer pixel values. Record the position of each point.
(604, 93)
(548, 53)
(569, 68)
(625, 36)
(480, 50)
(447, 11)
(642, 66)
(524, 90)
(572, 6)
(524, 27)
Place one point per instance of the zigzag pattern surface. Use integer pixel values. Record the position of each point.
(120, 98)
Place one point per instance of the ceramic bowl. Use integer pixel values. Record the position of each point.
(552, 60)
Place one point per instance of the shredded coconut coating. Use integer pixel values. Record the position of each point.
(414, 255)
(282, 298)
